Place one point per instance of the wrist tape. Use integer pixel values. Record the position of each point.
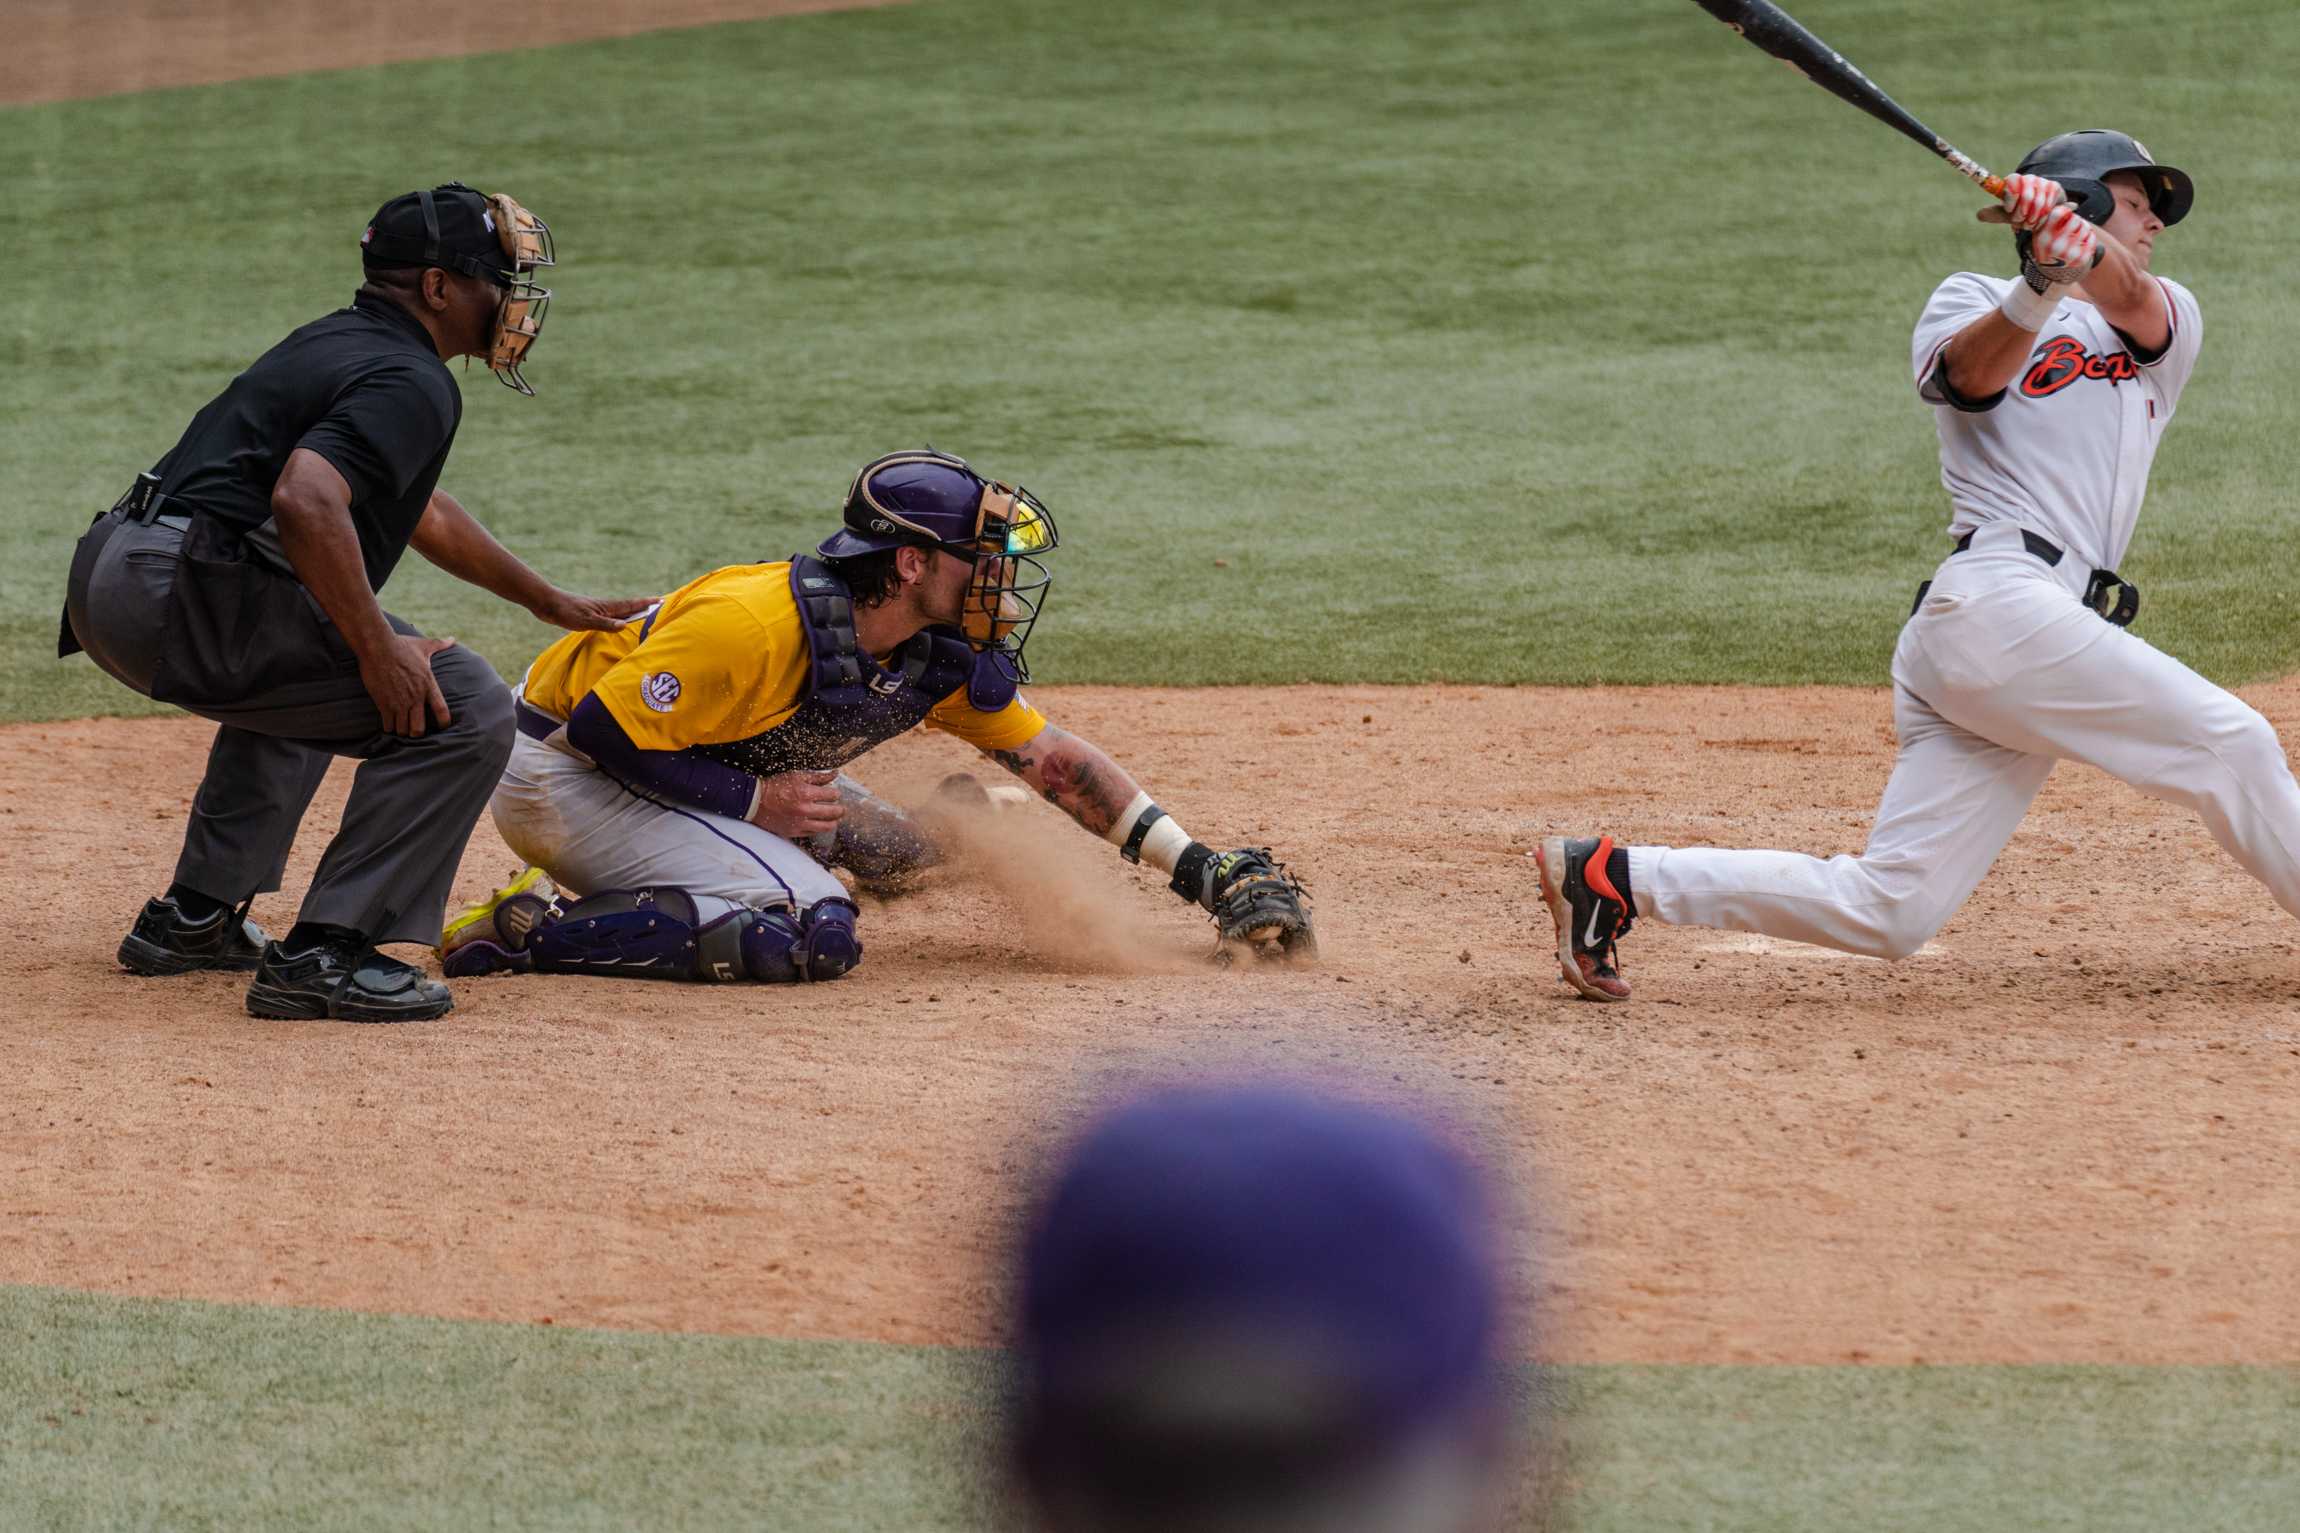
(2028, 307)
(1144, 832)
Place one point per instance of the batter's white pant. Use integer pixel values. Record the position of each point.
(590, 833)
(2002, 671)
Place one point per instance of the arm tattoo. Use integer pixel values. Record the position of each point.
(1074, 776)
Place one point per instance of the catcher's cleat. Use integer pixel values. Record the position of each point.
(163, 942)
(1588, 911)
(491, 936)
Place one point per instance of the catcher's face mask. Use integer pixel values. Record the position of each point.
(1009, 584)
(930, 499)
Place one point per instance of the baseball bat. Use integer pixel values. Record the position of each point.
(1767, 26)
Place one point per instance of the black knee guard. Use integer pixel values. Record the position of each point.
(776, 947)
(658, 933)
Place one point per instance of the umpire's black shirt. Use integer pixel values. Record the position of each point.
(365, 389)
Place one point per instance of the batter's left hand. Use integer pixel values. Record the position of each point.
(564, 609)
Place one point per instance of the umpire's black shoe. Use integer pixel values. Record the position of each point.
(163, 941)
(343, 982)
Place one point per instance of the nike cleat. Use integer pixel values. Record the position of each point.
(1588, 911)
(491, 936)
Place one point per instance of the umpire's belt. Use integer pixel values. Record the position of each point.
(2114, 598)
(144, 503)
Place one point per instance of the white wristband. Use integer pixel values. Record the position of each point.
(1165, 844)
(1122, 829)
(1162, 843)
(2028, 308)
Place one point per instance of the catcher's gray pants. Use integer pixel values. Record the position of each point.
(590, 833)
(413, 801)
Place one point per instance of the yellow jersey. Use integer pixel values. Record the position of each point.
(726, 658)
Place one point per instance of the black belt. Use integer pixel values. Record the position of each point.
(533, 722)
(145, 504)
(2119, 608)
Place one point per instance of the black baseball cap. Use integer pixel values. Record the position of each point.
(449, 226)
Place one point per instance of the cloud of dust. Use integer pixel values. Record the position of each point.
(1066, 889)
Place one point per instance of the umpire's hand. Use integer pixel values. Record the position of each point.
(398, 676)
(565, 609)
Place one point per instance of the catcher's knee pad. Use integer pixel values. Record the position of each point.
(660, 934)
(777, 947)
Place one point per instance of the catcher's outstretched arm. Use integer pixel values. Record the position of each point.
(1073, 775)
(1252, 898)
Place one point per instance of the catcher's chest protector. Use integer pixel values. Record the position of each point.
(851, 703)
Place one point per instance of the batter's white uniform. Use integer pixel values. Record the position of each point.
(2003, 669)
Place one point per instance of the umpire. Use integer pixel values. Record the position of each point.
(238, 579)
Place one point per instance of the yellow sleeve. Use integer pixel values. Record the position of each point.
(709, 672)
(1012, 726)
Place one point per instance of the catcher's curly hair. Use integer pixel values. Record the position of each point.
(870, 578)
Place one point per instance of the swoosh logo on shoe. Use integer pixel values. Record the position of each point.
(1592, 939)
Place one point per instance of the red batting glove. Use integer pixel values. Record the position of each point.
(2029, 199)
(2065, 240)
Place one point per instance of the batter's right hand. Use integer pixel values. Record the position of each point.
(796, 805)
(399, 678)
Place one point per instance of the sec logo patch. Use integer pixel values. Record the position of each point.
(659, 690)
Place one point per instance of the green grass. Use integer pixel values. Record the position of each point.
(1483, 340)
(131, 1413)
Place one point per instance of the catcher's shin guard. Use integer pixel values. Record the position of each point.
(660, 934)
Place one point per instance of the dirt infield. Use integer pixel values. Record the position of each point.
(60, 49)
(2064, 1132)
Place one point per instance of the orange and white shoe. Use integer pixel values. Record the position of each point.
(1589, 913)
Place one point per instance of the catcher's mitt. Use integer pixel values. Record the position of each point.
(1255, 901)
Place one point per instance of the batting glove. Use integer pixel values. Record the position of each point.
(2029, 200)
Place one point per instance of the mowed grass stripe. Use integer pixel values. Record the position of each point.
(1351, 340)
(134, 1413)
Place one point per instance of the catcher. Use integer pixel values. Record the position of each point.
(676, 787)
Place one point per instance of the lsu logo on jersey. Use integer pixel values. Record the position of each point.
(2063, 360)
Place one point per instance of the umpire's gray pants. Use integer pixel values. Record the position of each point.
(413, 801)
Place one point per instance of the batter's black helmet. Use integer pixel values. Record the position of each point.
(2083, 161)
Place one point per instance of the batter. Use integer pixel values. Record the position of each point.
(2051, 391)
(676, 782)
